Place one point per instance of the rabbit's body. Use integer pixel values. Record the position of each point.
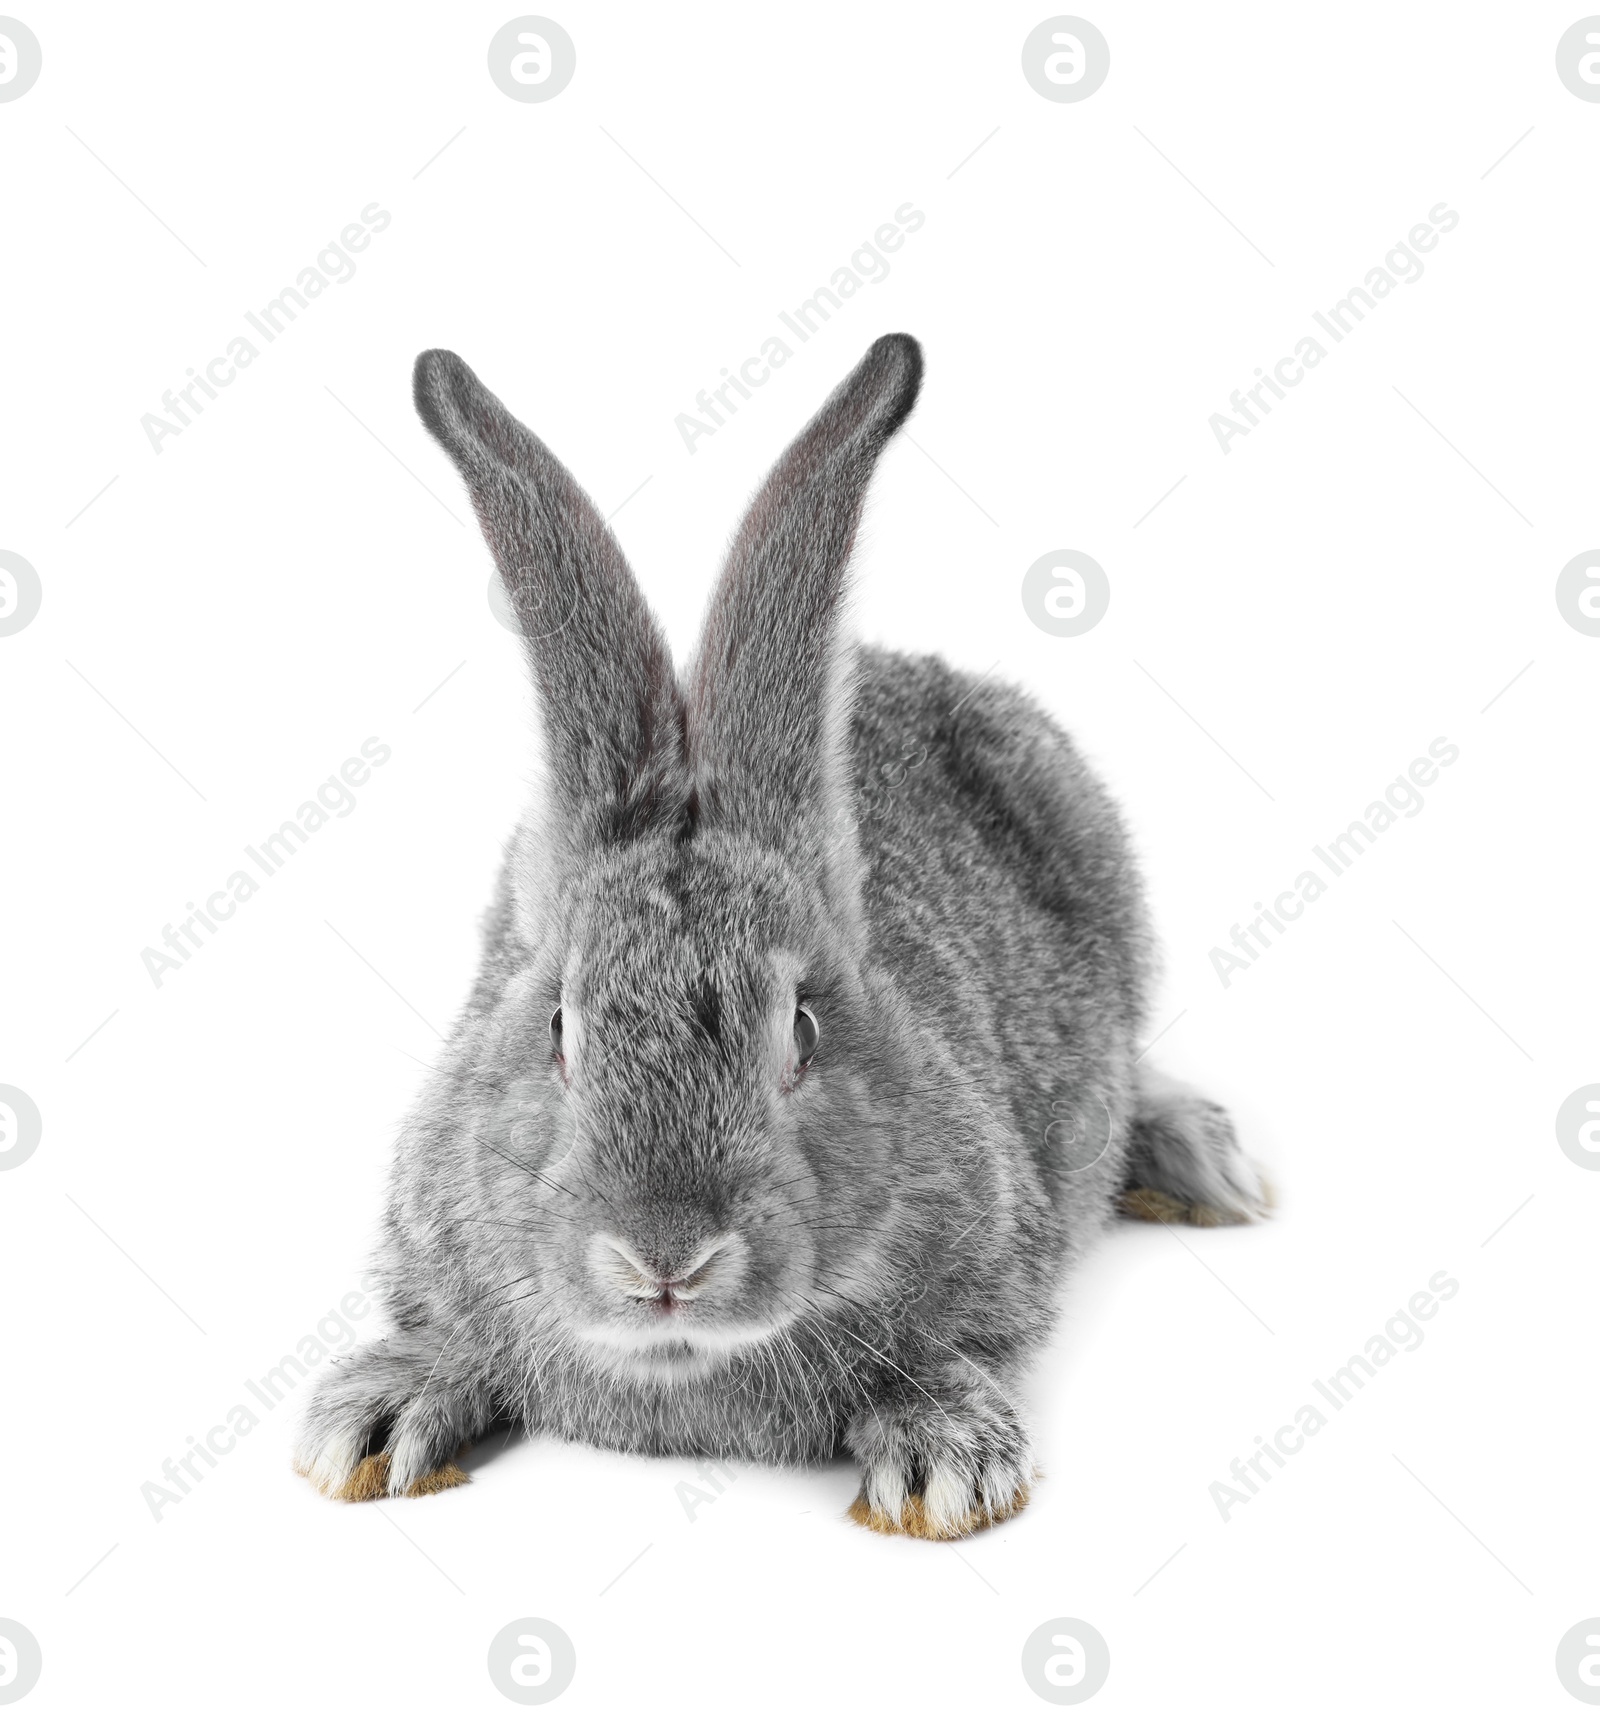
(642, 1205)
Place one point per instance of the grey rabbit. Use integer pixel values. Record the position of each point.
(803, 1056)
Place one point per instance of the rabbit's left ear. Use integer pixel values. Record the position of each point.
(608, 696)
(769, 695)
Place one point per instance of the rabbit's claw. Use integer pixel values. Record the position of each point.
(1151, 1205)
(916, 1520)
(369, 1481)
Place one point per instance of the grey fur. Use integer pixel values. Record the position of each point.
(921, 860)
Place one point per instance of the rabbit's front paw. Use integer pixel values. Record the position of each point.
(387, 1421)
(940, 1470)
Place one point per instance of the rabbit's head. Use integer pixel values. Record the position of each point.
(694, 1069)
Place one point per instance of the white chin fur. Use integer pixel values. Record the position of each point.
(671, 1357)
(720, 1341)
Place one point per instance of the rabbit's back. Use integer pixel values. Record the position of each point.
(1002, 895)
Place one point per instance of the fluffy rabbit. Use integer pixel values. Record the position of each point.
(803, 1055)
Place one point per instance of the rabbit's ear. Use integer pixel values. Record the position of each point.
(610, 703)
(769, 695)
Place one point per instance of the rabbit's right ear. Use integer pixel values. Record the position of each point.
(609, 699)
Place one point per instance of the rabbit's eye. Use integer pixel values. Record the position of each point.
(555, 1031)
(806, 1035)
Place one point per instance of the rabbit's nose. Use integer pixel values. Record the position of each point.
(654, 1277)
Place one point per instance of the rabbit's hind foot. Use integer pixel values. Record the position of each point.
(1185, 1165)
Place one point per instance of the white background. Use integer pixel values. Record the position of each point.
(1335, 592)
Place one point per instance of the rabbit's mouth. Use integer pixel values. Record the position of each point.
(671, 1305)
